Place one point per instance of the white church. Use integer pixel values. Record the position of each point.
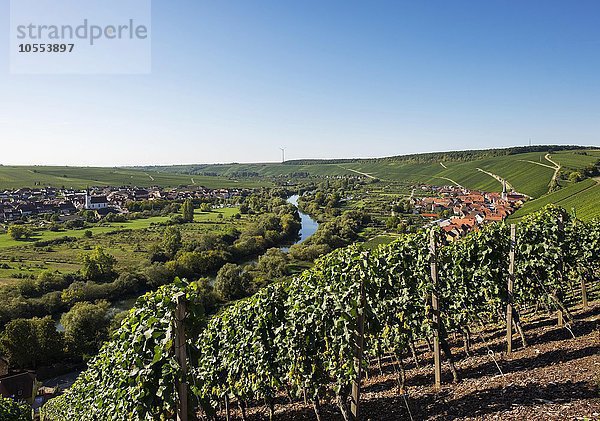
(95, 202)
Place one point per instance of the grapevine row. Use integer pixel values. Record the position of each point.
(297, 337)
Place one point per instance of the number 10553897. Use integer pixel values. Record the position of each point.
(46, 48)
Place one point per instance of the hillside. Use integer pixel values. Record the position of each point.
(582, 197)
(81, 177)
(527, 170)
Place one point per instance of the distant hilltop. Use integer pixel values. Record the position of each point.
(450, 156)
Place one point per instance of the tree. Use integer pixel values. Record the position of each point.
(575, 176)
(171, 242)
(249, 245)
(18, 232)
(392, 222)
(99, 265)
(205, 207)
(446, 213)
(89, 215)
(273, 263)
(86, 327)
(232, 282)
(244, 208)
(28, 343)
(187, 211)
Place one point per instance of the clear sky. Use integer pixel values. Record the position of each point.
(232, 81)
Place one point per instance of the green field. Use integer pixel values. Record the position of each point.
(6, 241)
(129, 242)
(583, 197)
(12, 177)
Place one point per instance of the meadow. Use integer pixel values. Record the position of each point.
(130, 242)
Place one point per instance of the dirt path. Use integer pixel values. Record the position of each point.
(151, 178)
(450, 180)
(358, 172)
(442, 164)
(497, 177)
(538, 163)
(502, 181)
(556, 170)
(555, 166)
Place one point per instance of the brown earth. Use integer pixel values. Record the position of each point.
(557, 377)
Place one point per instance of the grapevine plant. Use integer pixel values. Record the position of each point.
(297, 337)
(14, 411)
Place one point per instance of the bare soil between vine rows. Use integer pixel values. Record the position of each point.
(557, 377)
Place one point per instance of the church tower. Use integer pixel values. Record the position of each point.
(88, 199)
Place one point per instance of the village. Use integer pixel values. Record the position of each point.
(458, 210)
(28, 202)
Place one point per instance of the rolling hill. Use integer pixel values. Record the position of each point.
(81, 177)
(527, 170)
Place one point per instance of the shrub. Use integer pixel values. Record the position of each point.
(18, 232)
(14, 411)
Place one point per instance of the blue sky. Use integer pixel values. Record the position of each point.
(232, 81)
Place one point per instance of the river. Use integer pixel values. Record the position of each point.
(309, 225)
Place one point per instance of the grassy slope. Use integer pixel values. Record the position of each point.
(584, 197)
(526, 177)
(81, 177)
(572, 160)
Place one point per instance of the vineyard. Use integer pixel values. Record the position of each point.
(311, 338)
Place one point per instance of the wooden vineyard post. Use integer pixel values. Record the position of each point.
(181, 355)
(358, 352)
(584, 299)
(560, 316)
(561, 320)
(511, 281)
(437, 361)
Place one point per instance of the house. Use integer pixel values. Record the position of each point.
(11, 214)
(26, 209)
(453, 232)
(18, 386)
(67, 208)
(141, 194)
